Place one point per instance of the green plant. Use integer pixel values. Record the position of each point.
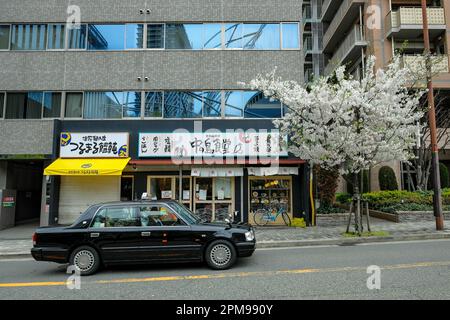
(366, 234)
(344, 198)
(327, 208)
(387, 179)
(298, 223)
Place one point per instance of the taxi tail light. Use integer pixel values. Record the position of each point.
(34, 238)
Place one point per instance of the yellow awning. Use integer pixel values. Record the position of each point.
(86, 167)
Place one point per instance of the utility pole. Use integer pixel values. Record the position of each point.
(437, 198)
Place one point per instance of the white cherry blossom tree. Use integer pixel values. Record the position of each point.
(346, 123)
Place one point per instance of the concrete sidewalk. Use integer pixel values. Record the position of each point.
(16, 242)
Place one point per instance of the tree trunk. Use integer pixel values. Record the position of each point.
(357, 200)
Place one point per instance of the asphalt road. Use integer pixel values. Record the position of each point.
(409, 270)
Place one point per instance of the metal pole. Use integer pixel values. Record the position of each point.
(437, 200)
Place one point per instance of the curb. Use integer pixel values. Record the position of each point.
(351, 241)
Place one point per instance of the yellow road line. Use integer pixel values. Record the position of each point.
(229, 275)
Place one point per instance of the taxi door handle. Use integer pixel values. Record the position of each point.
(146, 234)
(95, 235)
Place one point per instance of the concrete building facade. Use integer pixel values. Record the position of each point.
(95, 70)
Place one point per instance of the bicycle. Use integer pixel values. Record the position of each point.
(264, 216)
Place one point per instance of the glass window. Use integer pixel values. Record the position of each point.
(161, 188)
(212, 104)
(233, 36)
(223, 189)
(186, 189)
(132, 104)
(155, 36)
(2, 102)
(184, 36)
(271, 195)
(24, 105)
(180, 104)
(76, 37)
(103, 105)
(159, 215)
(203, 189)
(52, 104)
(74, 105)
(291, 37)
(256, 105)
(4, 37)
(117, 217)
(134, 36)
(106, 37)
(56, 36)
(261, 36)
(153, 104)
(212, 36)
(28, 37)
(233, 104)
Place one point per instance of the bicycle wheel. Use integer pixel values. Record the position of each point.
(261, 217)
(286, 219)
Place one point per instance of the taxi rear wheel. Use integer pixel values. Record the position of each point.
(86, 260)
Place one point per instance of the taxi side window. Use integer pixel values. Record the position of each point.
(115, 217)
(158, 215)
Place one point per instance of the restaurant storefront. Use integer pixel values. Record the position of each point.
(139, 165)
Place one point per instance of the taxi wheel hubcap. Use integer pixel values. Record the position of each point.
(220, 254)
(84, 260)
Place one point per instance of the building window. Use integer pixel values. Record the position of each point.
(4, 37)
(153, 104)
(212, 36)
(272, 195)
(28, 37)
(56, 36)
(103, 105)
(234, 104)
(74, 105)
(233, 36)
(76, 37)
(180, 104)
(184, 36)
(106, 37)
(2, 104)
(134, 36)
(132, 104)
(212, 104)
(155, 36)
(256, 105)
(261, 36)
(250, 104)
(24, 105)
(291, 37)
(52, 104)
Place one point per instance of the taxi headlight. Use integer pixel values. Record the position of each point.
(249, 236)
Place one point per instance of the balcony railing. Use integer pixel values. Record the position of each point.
(338, 18)
(417, 64)
(353, 40)
(412, 18)
(307, 13)
(307, 44)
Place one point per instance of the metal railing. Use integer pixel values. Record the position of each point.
(338, 17)
(355, 37)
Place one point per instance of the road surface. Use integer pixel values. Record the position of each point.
(409, 270)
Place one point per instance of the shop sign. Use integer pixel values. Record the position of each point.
(8, 202)
(94, 145)
(215, 144)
